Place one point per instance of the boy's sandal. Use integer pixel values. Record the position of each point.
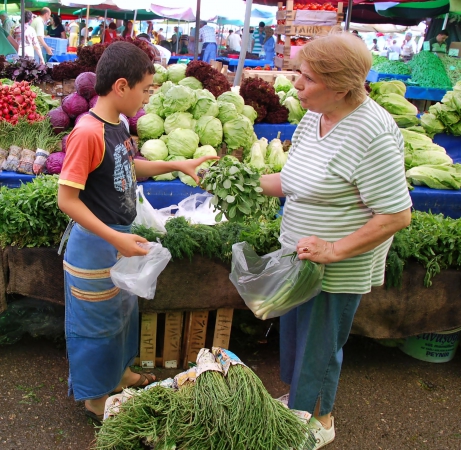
(97, 418)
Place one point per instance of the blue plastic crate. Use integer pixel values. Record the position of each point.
(374, 76)
(58, 45)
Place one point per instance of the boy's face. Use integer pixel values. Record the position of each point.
(138, 96)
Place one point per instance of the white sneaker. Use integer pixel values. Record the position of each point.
(321, 435)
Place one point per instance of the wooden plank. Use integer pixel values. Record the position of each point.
(172, 342)
(196, 324)
(148, 340)
(302, 30)
(222, 329)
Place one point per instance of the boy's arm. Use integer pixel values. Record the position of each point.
(70, 203)
(153, 168)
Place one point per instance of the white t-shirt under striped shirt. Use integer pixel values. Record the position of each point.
(335, 183)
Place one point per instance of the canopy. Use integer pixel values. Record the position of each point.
(141, 14)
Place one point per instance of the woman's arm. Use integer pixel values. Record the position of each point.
(272, 185)
(63, 34)
(377, 230)
(70, 203)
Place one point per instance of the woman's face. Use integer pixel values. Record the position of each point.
(313, 93)
(52, 21)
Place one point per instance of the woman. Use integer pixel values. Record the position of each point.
(128, 29)
(269, 44)
(111, 33)
(56, 29)
(30, 39)
(346, 196)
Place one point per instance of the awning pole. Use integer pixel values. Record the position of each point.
(86, 24)
(445, 21)
(104, 26)
(244, 47)
(23, 18)
(197, 30)
(348, 15)
(134, 21)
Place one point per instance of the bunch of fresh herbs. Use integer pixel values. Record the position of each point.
(26, 69)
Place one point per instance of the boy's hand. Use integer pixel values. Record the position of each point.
(189, 167)
(127, 244)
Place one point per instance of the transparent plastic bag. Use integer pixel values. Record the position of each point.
(197, 209)
(146, 214)
(138, 274)
(273, 284)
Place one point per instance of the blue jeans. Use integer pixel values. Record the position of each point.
(311, 340)
(209, 51)
(102, 321)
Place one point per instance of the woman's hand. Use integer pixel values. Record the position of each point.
(128, 244)
(189, 167)
(316, 250)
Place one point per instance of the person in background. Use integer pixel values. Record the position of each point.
(250, 39)
(73, 34)
(159, 51)
(111, 33)
(127, 32)
(208, 40)
(38, 24)
(66, 27)
(257, 39)
(31, 43)
(395, 48)
(438, 43)
(191, 43)
(346, 196)
(161, 36)
(269, 44)
(356, 33)
(7, 24)
(175, 39)
(375, 47)
(235, 42)
(408, 47)
(55, 28)
(227, 39)
(98, 29)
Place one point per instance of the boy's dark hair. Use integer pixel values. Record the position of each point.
(121, 60)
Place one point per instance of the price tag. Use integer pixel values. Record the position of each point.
(393, 56)
(427, 46)
(453, 52)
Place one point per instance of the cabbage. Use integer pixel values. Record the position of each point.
(282, 83)
(178, 98)
(74, 105)
(227, 111)
(64, 143)
(150, 126)
(446, 115)
(431, 124)
(177, 72)
(206, 104)
(238, 133)
(411, 137)
(205, 150)
(256, 158)
(387, 87)
(59, 120)
(295, 110)
(455, 129)
(263, 142)
(282, 95)
(164, 138)
(396, 104)
(426, 158)
(170, 176)
(276, 157)
(166, 86)
(93, 101)
(161, 74)
(85, 83)
(179, 120)
(154, 150)
(209, 130)
(187, 179)
(453, 100)
(250, 112)
(232, 97)
(175, 158)
(155, 105)
(435, 177)
(182, 142)
(54, 162)
(405, 120)
(133, 121)
(191, 82)
(292, 93)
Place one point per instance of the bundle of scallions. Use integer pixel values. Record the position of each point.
(223, 410)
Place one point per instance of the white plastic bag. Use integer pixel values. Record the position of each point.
(273, 284)
(197, 209)
(145, 213)
(138, 274)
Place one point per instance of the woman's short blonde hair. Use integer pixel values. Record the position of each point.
(341, 60)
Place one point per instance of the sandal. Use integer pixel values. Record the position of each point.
(140, 383)
(97, 418)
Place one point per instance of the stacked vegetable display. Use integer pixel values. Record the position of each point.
(289, 98)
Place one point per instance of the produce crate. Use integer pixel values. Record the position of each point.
(58, 89)
(58, 45)
(270, 75)
(374, 76)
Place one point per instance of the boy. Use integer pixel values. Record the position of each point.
(97, 189)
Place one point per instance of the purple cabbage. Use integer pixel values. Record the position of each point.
(54, 163)
(64, 143)
(59, 120)
(74, 105)
(139, 156)
(85, 83)
(93, 101)
(133, 121)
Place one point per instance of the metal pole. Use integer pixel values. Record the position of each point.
(197, 29)
(178, 36)
(246, 38)
(87, 22)
(348, 15)
(134, 20)
(23, 18)
(445, 21)
(104, 27)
